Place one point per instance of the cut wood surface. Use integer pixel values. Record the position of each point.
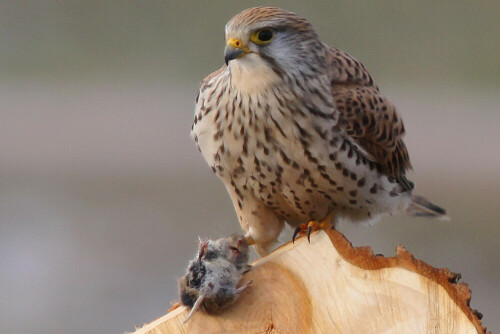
(328, 286)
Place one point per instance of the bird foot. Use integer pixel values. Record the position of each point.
(306, 229)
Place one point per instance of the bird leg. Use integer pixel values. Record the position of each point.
(306, 229)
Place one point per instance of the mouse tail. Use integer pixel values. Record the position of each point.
(195, 307)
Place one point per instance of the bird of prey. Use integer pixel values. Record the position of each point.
(299, 132)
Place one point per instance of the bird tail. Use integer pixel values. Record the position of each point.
(421, 207)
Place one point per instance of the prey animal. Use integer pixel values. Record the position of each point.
(214, 273)
(299, 132)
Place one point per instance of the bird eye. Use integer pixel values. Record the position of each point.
(262, 37)
(265, 35)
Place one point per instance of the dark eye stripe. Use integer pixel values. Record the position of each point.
(265, 35)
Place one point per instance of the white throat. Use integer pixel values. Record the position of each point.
(251, 74)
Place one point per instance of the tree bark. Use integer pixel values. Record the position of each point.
(328, 286)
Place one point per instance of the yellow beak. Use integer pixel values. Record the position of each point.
(234, 49)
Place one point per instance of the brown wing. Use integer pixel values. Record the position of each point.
(368, 117)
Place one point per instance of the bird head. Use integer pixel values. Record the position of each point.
(272, 38)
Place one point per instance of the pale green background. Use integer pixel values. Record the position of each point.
(103, 193)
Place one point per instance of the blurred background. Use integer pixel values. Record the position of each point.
(103, 193)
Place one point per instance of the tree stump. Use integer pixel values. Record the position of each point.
(328, 286)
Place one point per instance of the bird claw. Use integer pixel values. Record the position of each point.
(306, 229)
(303, 229)
(295, 233)
(309, 230)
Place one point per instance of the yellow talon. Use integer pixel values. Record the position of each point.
(313, 226)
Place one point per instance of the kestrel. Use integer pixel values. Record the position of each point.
(298, 131)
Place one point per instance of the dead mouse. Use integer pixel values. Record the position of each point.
(214, 273)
